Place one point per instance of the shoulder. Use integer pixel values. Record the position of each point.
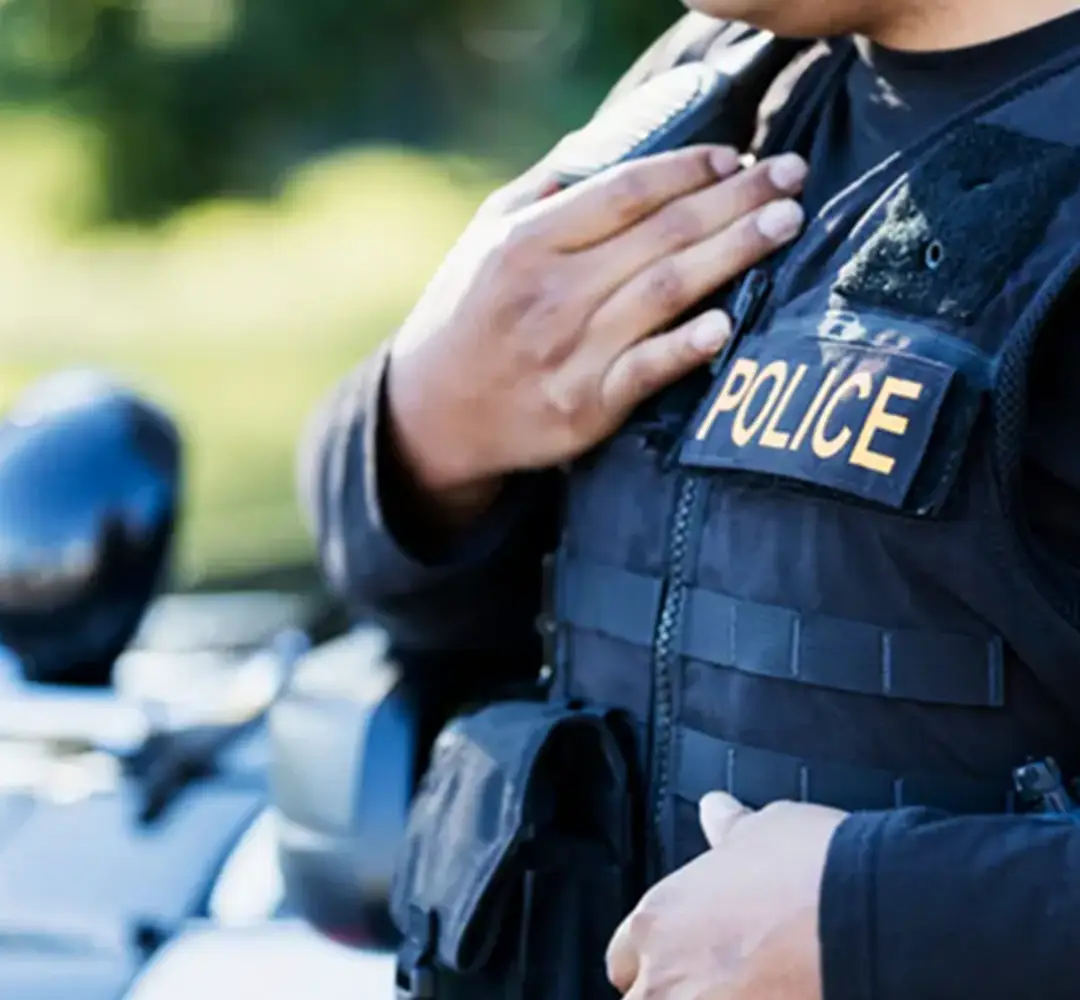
(690, 39)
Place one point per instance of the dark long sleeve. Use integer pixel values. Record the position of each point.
(479, 595)
(919, 905)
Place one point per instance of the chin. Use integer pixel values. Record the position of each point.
(752, 11)
(792, 18)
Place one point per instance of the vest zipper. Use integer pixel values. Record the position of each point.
(665, 655)
(746, 310)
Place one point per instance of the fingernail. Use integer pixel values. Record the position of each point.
(788, 172)
(781, 220)
(711, 332)
(725, 161)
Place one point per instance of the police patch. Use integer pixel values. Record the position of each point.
(847, 416)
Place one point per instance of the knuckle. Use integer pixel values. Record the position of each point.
(745, 243)
(519, 303)
(642, 922)
(557, 289)
(642, 372)
(682, 347)
(515, 194)
(540, 304)
(679, 226)
(516, 282)
(665, 287)
(749, 190)
(515, 243)
(567, 399)
(758, 182)
(627, 193)
(775, 811)
(689, 166)
(544, 345)
(542, 318)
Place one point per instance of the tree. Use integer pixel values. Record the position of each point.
(194, 98)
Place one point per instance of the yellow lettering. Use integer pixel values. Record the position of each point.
(742, 435)
(808, 417)
(825, 447)
(880, 419)
(740, 379)
(771, 438)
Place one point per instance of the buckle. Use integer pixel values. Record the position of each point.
(1042, 788)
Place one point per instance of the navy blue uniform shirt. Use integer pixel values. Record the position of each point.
(916, 905)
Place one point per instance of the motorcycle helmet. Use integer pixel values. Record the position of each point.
(89, 494)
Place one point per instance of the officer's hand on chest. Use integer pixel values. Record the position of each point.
(532, 344)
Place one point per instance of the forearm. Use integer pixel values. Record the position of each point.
(916, 904)
(436, 587)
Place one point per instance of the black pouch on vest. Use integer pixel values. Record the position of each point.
(517, 864)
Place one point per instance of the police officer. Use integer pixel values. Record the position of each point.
(800, 442)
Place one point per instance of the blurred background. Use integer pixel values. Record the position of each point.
(230, 202)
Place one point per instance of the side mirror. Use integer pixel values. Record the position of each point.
(89, 496)
(347, 746)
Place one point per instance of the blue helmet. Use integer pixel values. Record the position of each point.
(89, 495)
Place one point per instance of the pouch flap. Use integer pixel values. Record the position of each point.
(484, 798)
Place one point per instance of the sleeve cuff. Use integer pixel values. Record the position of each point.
(479, 590)
(417, 544)
(846, 918)
(850, 904)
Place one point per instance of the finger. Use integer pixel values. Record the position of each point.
(531, 187)
(719, 814)
(650, 365)
(611, 201)
(689, 220)
(667, 289)
(622, 957)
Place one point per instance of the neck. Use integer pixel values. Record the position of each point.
(929, 25)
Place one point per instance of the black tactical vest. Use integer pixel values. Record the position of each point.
(821, 585)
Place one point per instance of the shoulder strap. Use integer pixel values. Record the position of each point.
(765, 72)
(752, 61)
(796, 94)
(713, 99)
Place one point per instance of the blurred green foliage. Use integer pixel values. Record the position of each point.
(236, 315)
(195, 98)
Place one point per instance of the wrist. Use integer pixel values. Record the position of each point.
(429, 447)
(785, 963)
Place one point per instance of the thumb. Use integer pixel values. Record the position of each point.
(720, 813)
(533, 186)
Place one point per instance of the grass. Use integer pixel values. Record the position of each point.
(236, 316)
